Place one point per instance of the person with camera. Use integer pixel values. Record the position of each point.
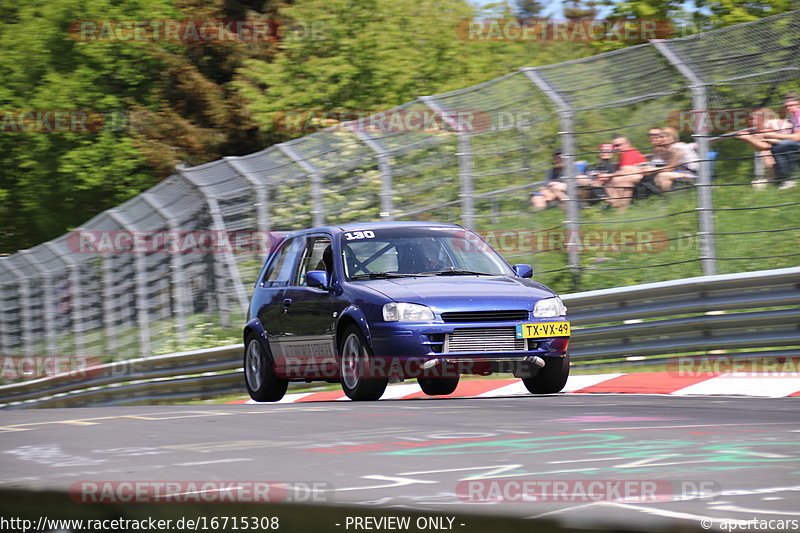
(681, 161)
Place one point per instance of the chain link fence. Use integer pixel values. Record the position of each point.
(58, 299)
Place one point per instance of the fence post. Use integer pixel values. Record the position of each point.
(385, 168)
(108, 306)
(5, 343)
(262, 199)
(317, 208)
(708, 256)
(76, 301)
(23, 291)
(464, 155)
(177, 277)
(142, 307)
(568, 154)
(47, 301)
(229, 260)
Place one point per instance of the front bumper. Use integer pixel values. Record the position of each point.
(413, 348)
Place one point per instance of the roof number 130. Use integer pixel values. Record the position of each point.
(353, 235)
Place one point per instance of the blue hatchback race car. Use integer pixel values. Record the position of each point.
(365, 304)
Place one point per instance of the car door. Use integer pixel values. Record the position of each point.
(270, 289)
(307, 324)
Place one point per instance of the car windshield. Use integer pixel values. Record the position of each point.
(419, 251)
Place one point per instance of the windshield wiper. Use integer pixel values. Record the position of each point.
(379, 275)
(462, 273)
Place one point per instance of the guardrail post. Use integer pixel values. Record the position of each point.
(317, 208)
(385, 168)
(464, 155)
(708, 256)
(568, 154)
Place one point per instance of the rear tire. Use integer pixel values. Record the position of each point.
(550, 379)
(355, 359)
(259, 376)
(438, 386)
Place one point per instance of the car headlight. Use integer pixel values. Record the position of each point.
(549, 307)
(394, 312)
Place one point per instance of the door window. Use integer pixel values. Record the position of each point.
(316, 256)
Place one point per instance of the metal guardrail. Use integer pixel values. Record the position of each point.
(179, 376)
(695, 315)
(722, 312)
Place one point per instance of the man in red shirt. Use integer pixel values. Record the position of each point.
(620, 187)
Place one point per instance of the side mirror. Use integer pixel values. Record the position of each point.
(523, 271)
(317, 279)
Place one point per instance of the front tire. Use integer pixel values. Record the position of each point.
(259, 376)
(438, 386)
(354, 361)
(550, 379)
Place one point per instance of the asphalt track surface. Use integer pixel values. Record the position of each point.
(721, 458)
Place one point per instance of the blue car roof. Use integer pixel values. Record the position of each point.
(356, 226)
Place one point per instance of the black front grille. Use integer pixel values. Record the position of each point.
(485, 316)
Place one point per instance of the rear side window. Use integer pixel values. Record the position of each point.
(279, 271)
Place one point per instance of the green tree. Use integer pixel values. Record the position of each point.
(370, 55)
(164, 102)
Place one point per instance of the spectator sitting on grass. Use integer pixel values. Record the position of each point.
(682, 162)
(763, 121)
(620, 186)
(593, 183)
(555, 189)
(786, 146)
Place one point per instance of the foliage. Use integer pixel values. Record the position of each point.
(161, 103)
(370, 55)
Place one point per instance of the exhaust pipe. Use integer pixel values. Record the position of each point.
(430, 363)
(536, 360)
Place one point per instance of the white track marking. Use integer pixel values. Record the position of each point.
(767, 386)
(196, 463)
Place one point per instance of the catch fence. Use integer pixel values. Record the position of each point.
(59, 298)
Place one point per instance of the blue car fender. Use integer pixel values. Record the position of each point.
(254, 325)
(357, 315)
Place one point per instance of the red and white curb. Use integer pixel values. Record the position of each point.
(732, 384)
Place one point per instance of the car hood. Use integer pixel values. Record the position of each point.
(463, 293)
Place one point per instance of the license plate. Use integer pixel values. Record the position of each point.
(543, 330)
